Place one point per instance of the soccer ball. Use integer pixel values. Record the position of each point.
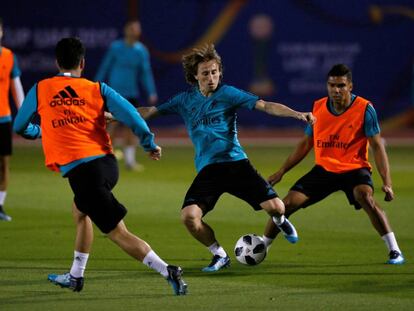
(250, 249)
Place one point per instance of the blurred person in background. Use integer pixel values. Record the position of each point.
(126, 68)
(9, 81)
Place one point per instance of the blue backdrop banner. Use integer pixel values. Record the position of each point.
(280, 50)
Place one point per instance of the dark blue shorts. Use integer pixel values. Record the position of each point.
(318, 183)
(239, 178)
(5, 139)
(92, 184)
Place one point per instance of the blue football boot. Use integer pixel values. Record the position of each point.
(176, 281)
(217, 263)
(67, 281)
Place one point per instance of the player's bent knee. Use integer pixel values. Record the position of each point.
(289, 203)
(274, 206)
(361, 195)
(190, 216)
(80, 218)
(119, 232)
(365, 199)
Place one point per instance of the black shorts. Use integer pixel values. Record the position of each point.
(318, 183)
(92, 183)
(238, 178)
(5, 139)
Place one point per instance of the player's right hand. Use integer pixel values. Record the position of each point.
(109, 117)
(155, 154)
(275, 178)
(389, 193)
(309, 118)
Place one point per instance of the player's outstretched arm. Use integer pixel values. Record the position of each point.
(17, 91)
(145, 112)
(280, 110)
(22, 123)
(302, 149)
(124, 112)
(382, 164)
(148, 113)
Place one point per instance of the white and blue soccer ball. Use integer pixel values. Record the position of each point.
(250, 249)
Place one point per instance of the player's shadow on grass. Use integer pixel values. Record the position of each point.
(236, 269)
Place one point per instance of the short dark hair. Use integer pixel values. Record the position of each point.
(198, 55)
(69, 52)
(340, 70)
(1, 21)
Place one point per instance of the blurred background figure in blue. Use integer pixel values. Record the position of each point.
(126, 68)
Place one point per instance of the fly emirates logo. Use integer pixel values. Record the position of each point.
(333, 142)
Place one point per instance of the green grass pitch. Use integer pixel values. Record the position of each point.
(338, 263)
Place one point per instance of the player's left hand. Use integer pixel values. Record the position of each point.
(389, 193)
(155, 154)
(307, 117)
(275, 178)
(109, 117)
(310, 118)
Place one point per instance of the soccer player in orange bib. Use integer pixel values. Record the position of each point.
(76, 144)
(9, 81)
(346, 125)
